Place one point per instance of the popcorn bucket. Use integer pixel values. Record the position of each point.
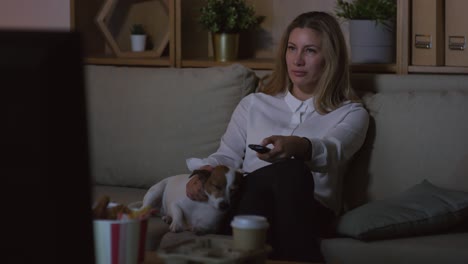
(120, 241)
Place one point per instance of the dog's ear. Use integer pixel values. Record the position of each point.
(203, 175)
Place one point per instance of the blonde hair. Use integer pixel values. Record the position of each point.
(334, 84)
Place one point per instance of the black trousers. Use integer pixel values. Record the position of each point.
(283, 192)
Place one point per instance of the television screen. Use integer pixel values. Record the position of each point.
(44, 143)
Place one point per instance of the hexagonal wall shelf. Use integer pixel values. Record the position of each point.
(116, 17)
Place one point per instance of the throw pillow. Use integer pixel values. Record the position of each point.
(422, 209)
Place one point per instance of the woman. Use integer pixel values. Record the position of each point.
(309, 116)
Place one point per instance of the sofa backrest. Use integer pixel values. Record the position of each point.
(418, 130)
(144, 122)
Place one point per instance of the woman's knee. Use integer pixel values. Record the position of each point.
(287, 172)
(281, 167)
(291, 166)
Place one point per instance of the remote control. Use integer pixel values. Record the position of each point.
(259, 148)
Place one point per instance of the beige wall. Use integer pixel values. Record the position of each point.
(35, 14)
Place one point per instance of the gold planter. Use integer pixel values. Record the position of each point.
(225, 46)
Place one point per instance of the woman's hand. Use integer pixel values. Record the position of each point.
(194, 187)
(285, 147)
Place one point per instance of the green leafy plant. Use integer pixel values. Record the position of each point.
(228, 16)
(137, 29)
(378, 10)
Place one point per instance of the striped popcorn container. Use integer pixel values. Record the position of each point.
(120, 241)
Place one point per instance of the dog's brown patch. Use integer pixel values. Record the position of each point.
(203, 175)
(216, 183)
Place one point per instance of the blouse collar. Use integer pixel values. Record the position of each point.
(298, 105)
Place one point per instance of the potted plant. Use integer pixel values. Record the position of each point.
(371, 29)
(226, 19)
(138, 37)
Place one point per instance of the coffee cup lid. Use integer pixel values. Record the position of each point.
(249, 222)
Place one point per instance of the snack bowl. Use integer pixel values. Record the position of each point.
(119, 241)
(135, 205)
(119, 232)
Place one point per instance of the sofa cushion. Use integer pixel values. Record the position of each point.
(440, 248)
(417, 130)
(145, 122)
(422, 209)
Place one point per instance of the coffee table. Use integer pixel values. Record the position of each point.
(151, 257)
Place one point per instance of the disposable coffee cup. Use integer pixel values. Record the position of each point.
(249, 232)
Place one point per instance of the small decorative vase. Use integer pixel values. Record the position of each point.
(371, 42)
(138, 42)
(225, 46)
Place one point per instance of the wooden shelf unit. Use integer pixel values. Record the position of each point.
(112, 60)
(438, 69)
(97, 44)
(194, 48)
(189, 44)
(258, 64)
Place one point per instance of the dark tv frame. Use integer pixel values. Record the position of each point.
(44, 139)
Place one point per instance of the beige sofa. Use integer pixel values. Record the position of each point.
(144, 123)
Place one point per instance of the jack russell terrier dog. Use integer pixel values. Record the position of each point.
(182, 213)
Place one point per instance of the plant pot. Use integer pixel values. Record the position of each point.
(138, 42)
(225, 46)
(371, 42)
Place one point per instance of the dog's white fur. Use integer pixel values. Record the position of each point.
(182, 213)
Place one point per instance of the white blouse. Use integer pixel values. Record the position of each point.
(335, 138)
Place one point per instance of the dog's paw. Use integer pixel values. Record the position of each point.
(176, 227)
(167, 219)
